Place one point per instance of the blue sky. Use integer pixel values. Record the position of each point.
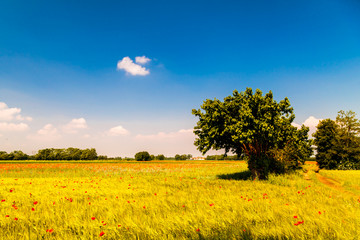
(59, 66)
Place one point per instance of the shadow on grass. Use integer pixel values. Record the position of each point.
(244, 175)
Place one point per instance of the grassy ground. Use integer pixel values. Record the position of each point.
(172, 200)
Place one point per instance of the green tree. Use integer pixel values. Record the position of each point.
(347, 145)
(73, 153)
(102, 157)
(142, 156)
(338, 142)
(182, 157)
(160, 157)
(325, 140)
(88, 154)
(4, 155)
(43, 154)
(19, 155)
(250, 123)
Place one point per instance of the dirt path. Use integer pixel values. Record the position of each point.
(332, 183)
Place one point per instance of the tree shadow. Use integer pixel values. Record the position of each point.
(244, 175)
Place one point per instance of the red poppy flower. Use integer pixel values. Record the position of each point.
(16, 219)
(101, 234)
(49, 230)
(198, 230)
(7, 216)
(93, 218)
(35, 202)
(32, 209)
(295, 216)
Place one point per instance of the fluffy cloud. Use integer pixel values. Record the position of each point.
(6, 113)
(74, 125)
(142, 60)
(13, 127)
(47, 133)
(117, 131)
(48, 129)
(163, 135)
(132, 68)
(310, 122)
(9, 114)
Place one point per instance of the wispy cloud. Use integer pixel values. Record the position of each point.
(132, 68)
(13, 127)
(163, 135)
(142, 60)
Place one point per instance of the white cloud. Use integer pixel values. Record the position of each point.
(6, 113)
(74, 125)
(142, 60)
(9, 114)
(163, 135)
(13, 127)
(48, 129)
(132, 68)
(310, 122)
(47, 133)
(118, 131)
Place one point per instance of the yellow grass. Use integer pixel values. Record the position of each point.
(176, 200)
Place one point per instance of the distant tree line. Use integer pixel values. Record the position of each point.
(53, 154)
(145, 156)
(15, 155)
(338, 142)
(183, 157)
(91, 154)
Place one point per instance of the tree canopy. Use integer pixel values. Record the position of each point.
(252, 124)
(142, 156)
(338, 142)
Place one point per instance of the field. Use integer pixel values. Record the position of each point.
(174, 200)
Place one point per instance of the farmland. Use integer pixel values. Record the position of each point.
(174, 200)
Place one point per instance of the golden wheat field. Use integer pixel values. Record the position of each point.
(174, 200)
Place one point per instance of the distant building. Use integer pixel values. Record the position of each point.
(197, 158)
